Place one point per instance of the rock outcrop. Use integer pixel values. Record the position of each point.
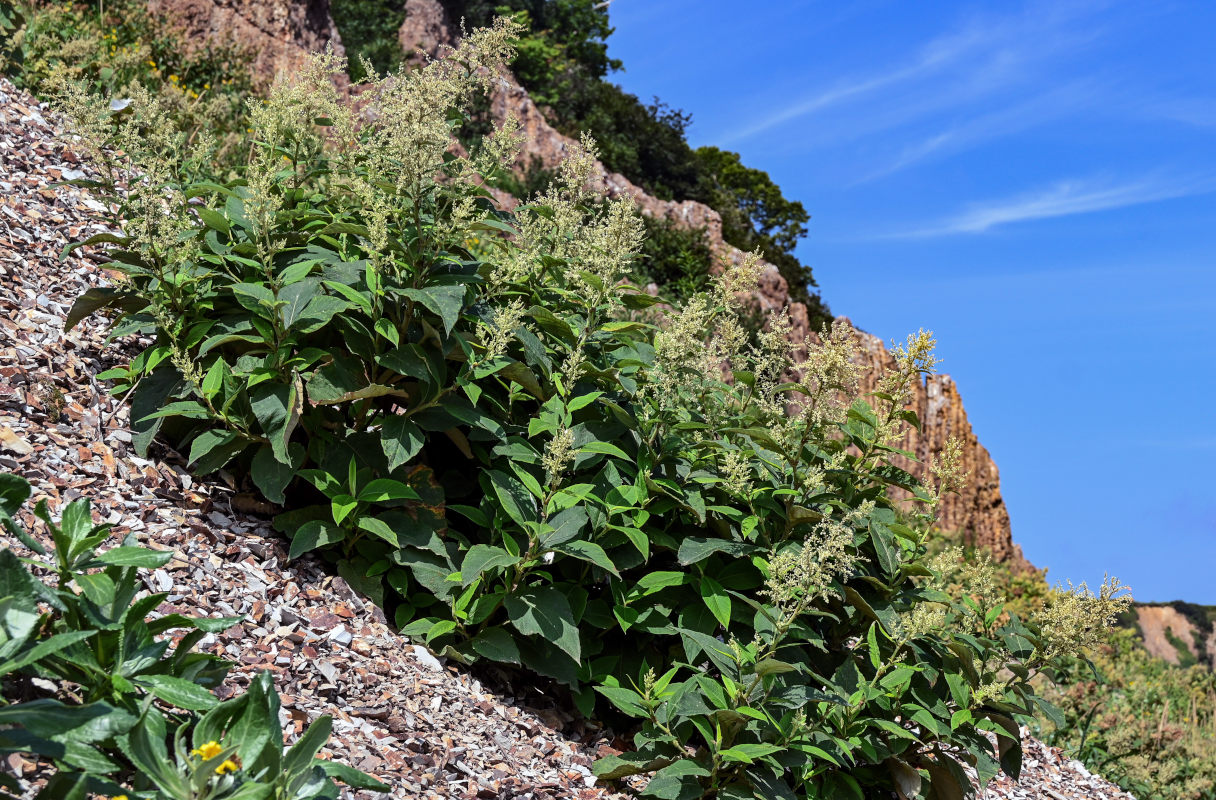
(979, 512)
(279, 34)
(1167, 632)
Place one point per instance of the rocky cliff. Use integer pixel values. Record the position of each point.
(283, 31)
(1176, 637)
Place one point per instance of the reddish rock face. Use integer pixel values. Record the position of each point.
(1160, 624)
(279, 33)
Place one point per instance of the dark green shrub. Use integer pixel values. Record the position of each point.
(102, 732)
(563, 62)
(369, 31)
(12, 20)
(678, 259)
(462, 411)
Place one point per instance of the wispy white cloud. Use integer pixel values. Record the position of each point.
(978, 59)
(1063, 199)
(1006, 121)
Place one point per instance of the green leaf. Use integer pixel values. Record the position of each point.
(515, 499)
(545, 612)
(97, 586)
(483, 557)
(656, 581)
(446, 301)
(179, 692)
(270, 475)
(213, 219)
(211, 450)
(401, 441)
(747, 753)
(384, 489)
(604, 448)
(716, 600)
(497, 645)
(95, 299)
(352, 777)
(319, 312)
(626, 700)
(566, 525)
(696, 548)
(132, 556)
(294, 298)
(678, 781)
(590, 552)
(53, 720)
(312, 535)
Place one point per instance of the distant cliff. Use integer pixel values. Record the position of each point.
(1180, 633)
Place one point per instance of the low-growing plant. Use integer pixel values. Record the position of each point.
(123, 714)
(462, 409)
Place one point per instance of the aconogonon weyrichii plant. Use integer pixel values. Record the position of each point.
(485, 427)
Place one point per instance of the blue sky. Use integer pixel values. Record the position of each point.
(1036, 183)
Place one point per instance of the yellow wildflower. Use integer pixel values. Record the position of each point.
(209, 750)
(228, 766)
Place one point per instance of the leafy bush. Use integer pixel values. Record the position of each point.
(12, 20)
(465, 412)
(676, 258)
(120, 47)
(128, 716)
(369, 31)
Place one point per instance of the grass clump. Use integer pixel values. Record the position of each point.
(473, 415)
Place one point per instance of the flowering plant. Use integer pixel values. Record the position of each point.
(494, 434)
(91, 688)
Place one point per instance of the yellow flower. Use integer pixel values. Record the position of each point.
(209, 750)
(228, 766)
(119, 797)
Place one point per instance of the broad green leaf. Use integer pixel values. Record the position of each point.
(97, 586)
(626, 700)
(211, 450)
(382, 490)
(312, 535)
(545, 612)
(716, 600)
(446, 301)
(590, 552)
(497, 645)
(567, 525)
(131, 556)
(515, 499)
(695, 548)
(272, 476)
(483, 557)
(179, 692)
